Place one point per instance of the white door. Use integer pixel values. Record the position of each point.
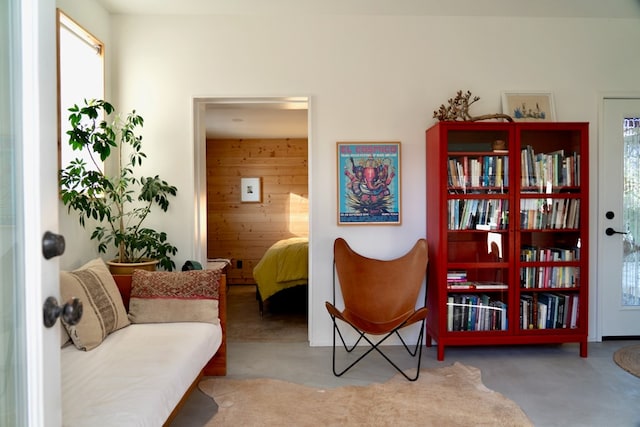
(619, 219)
(29, 352)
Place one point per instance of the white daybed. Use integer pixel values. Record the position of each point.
(140, 374)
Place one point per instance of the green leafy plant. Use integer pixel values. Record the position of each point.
(120, 201)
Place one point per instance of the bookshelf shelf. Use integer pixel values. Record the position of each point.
(507, 234)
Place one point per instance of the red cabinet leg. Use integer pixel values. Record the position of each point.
(583, 349)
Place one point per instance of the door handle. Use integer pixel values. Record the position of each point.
(70, 312)
(610, 232)
(52, 245)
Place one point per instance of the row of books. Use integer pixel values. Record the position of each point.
(456, 276)
(480, 171)
(475, 313)
(530, 253)
(549, 277)
(469, 214)
(549, 311)
(477, 285)
(537, 214)
(549, 169)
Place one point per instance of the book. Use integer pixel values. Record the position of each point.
(526, 303)
(542, 314)
(476, 285)
(460, 285)
(450, 300)
(456, 275)
(490, 285)
(573, 322)
(457, 312)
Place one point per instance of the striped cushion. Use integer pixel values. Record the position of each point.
(103, 310)
(187, 296)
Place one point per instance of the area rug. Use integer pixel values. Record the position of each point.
(448, 396)
(628, 358)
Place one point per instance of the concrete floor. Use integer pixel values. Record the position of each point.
(552, 384)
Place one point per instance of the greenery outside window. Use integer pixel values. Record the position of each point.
(80, 77)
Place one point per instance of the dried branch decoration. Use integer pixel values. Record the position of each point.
(458, 109)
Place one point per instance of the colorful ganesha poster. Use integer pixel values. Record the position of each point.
(369, 183)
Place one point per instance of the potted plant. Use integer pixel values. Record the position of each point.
(108, 190)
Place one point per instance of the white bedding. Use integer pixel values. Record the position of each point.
(138, 374)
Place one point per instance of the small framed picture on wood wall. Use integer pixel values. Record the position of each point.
(250, 190)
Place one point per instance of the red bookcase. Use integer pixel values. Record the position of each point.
(507, 226)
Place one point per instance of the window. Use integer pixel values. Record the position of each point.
(80, 76)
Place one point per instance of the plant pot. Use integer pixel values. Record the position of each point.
(128, 267)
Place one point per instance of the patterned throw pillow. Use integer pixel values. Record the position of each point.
(65, 339)
(103, 310)
(186, 296)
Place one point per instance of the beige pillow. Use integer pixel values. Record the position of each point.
(186, 296)
(64, 335)
(102, 308)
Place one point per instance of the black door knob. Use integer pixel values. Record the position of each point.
(52, 245)
(610, 232)
(70, 312)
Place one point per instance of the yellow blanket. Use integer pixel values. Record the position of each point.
(284, 265)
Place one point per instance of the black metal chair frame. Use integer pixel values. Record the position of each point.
(374, 346)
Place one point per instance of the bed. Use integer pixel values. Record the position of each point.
(137, 376)
(284, 265)
(142, 345)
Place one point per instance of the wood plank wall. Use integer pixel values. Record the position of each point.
(244, 231)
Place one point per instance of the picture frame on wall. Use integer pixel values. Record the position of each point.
(531, 106)
(369, 191)
(250, 190)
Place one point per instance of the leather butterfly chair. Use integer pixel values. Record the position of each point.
(379, 297)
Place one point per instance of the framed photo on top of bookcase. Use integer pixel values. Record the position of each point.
(369, 183)
(529, 106)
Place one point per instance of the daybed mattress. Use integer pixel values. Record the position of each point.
(138, 374)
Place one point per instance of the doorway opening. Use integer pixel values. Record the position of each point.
(263, 140)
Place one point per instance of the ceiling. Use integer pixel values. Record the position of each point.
(539, 8)
(251, 120)
(239, 119)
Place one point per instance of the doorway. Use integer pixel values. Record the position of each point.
(254, 122)
(618, 238)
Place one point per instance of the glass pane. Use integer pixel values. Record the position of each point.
(549, 310)
(550, 161)
(547, 214)
(478, 174)
(478, 214)
(550, 277)
(484, 247)
(477, 312)
(81, 77)
(12, 402)
(631, 213)
(478, 162)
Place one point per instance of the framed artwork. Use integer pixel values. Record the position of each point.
(369, 183)
(529, 106)
(250, 190)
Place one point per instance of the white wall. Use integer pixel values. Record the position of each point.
(370, 78)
